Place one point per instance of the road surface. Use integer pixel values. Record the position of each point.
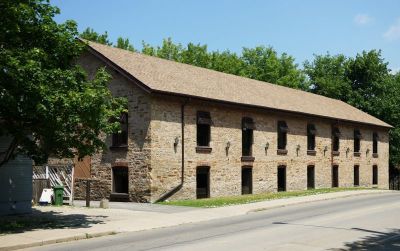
(366, 222)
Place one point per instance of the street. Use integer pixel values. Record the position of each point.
(367, 222)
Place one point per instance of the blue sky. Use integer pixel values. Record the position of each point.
(300, 28)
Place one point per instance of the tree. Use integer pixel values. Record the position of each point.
(263, 63)
(124, 44)
(91, 35)
(48, 106)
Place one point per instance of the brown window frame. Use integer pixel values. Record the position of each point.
(120, 139)
(311, 132)
(247, 136)
(203, 129)
(357, 141)
(282, 130)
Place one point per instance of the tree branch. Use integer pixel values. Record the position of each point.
(6, 155)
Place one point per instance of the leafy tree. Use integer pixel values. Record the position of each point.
(91, 35)
(47, 103)
(227, 62)
(196, 55)
(124, 44)
(263, 63)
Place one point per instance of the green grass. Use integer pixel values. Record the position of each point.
(244, 199)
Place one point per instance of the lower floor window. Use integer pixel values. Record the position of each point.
(375, 175)
(120, 179)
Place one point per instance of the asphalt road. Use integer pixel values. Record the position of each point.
(367, 222)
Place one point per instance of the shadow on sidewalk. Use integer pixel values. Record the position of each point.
(46, 220)
(376, 241)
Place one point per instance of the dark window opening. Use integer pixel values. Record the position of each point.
(203, 182)
(375, 139)
(357, 138)
(247, 136)
(121, 138)
(375, 175)
(203, 128)
(282, 135)
(311, 131)
(120, 179)
(281, 178)
(356, 175)
(247, 180)
(335, 139)
(335, 176)
(310, 177)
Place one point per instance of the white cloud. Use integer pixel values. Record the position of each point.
(393, 33)
(362, 19)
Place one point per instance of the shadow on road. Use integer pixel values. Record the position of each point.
(375, 241)
(46, 220)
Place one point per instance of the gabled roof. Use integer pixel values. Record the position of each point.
(160, 75)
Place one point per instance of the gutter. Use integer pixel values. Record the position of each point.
(174, 190)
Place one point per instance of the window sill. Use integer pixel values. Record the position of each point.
(123, 147)
(281, 152)
(247, 158)
(375, 155)
(203, 149)
(357, 154)
(335, 153)
(311, 152)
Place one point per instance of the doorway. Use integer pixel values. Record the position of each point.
(120, 179)
(247, 180)
(281, 178)
(310, 177)
(335, 176)
(374, 175)
(202, 182)
(356, 175)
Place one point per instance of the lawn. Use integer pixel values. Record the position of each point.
(244, 199)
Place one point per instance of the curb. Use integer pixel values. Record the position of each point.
(317, 200)
(59, 240)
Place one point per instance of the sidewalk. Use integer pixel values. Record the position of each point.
(74, 223)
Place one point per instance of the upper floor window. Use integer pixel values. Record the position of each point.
(311, 131)
(282, 135)
(375, 139)
(357, 140)
(203, 128)
(335, 139)
(247, 136)
(121, 138)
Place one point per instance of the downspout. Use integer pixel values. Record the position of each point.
(178, 187)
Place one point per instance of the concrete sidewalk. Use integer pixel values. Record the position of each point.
(81, 223)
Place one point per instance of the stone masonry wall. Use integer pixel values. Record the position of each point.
(137, 156)
(225, 168)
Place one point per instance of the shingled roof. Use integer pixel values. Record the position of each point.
(160, 75)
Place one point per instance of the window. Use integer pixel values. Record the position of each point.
(375, 139)
(281, 178)
(374, 175)
(310, 177)
(203, 128)
(282, 135)
(311, 137)
(247, 180)
(120, 179)
(356, 175)
(120, 139)
(247, 136)
(203, 182)
(335, 139)
(357, 138)
(335, 176)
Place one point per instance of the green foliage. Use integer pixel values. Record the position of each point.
(91, 35)
(124, 44)
(47, 103)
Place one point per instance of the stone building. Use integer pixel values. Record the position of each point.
(192, 133)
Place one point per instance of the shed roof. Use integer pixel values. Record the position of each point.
(161, 75)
